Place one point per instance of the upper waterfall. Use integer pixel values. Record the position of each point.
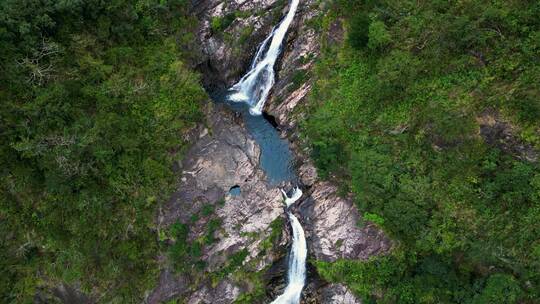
(255, 86)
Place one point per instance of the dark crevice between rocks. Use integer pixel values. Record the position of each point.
(271, 119)
(211, 79)
(314, 284)
(275, 278)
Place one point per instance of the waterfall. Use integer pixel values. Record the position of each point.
(296, 275)
(255, 86)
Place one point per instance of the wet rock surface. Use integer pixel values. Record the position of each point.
(337, 294)
(226, 52)
(229, 33)
(224, 155)
(293, 83)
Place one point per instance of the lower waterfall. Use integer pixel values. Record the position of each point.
(296, 276)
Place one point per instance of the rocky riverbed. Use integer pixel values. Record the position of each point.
(226, 156)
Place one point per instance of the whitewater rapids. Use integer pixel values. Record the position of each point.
(255, 86)
(296, 276)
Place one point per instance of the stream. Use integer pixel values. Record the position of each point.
(248, 97)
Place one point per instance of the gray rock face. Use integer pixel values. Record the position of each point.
(225, 292)
(226, 53)
(300, 52)
(498, 132)
(331, 222)
(338, 294)
(63, 293)
(226, 50)
(223, 156)
(331, 225)
(168, 287)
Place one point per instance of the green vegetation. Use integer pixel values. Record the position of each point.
(212, 227)
(276, 227)
(219, 24)
(277, 11)
(245, 34)
(254, 279)
(185, 254)
(298, 79)
(95, 96)
(394, 116)
(234, 261)
(255, 282)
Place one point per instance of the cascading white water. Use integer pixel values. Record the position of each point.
(296, 275)
(255, 86)
(253, 89)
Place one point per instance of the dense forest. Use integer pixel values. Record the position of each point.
(428, 112)
(401, 115)
(95, 96)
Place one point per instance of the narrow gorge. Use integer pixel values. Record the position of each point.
(245, 156)
(253, 89)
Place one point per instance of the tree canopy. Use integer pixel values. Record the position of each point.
(95, 97)
(401, 114)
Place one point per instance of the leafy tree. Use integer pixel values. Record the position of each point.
(500, 288)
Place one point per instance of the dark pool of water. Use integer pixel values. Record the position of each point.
(235, 190)
(276, 157)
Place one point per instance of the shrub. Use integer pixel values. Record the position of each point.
(358, 35)
(500, 288)
(379, 37)
(219, 24)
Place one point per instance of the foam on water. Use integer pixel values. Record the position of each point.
(255, 86)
